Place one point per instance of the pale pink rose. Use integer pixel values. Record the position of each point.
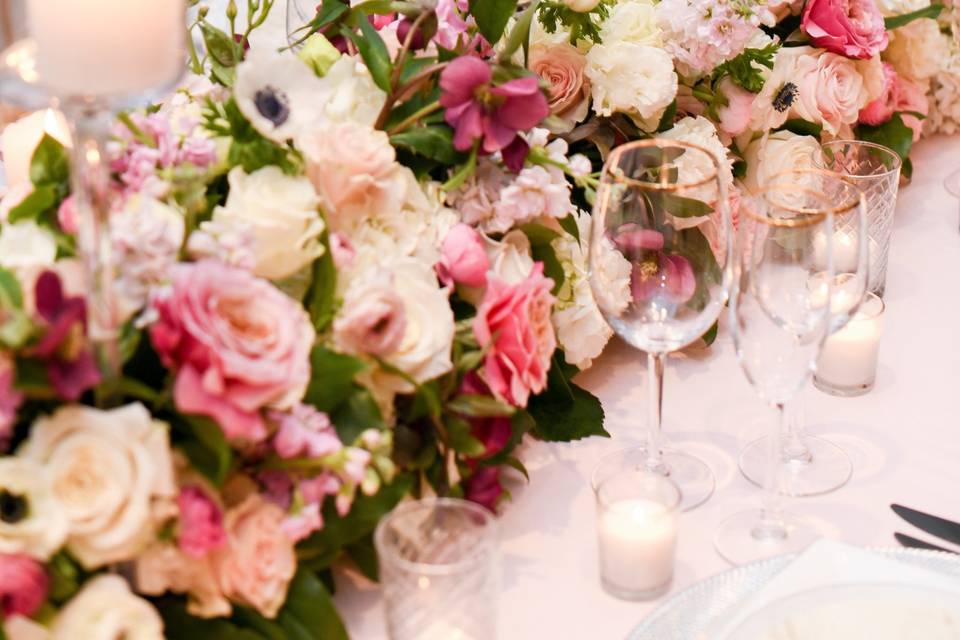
(372, 320)
(201, 522)
(354, 170)
(912, 96)
(735, 116)
(304, 431)
(463, 260)
(831, 91)
(163, 567)
(513, 326)
(256, 565)
(23, 585)
(342, 250)
(881, 108)
(237, 343)
(562, 66)
(853, 28)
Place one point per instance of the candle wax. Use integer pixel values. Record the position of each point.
(849, 357)
(637, 544)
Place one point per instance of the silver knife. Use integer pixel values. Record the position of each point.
(939, 527)
(917, 543)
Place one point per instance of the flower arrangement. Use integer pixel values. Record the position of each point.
(358, 272)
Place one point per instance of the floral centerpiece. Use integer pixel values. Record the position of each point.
(356, 270)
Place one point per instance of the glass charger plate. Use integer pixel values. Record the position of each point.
(689, 614)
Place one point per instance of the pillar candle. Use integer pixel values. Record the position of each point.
(102, 47)
(638, 539)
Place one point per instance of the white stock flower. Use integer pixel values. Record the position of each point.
(351, 93)
(635, 79)
(536, 192)
(280, 212)
(111, 474)
(34, 523)
(581, 330)
(278, 93)
(632, 21)
(918, 50)
(784, 151)
(694, 166)
(106, 609)
(26, 246)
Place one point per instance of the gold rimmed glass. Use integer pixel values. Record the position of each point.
(659, 253)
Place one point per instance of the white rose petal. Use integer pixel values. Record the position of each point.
(634, 22)
(352, 94)
(510, 258)
(43, 530)
(105, 609)
(111, 474)
(630, 78)
(784, 151)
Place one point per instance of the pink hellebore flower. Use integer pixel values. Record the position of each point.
(477, 110)
(671, 280)
(852, 28)
(201, 523)
(463, 259)
(23, 585)
(484, 487)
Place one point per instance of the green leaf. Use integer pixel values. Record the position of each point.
(695, 247)
(330, 11)
(65, 577)
(477, 406)
(373, 51)
(364, 556)
(746, 70)
(711, 335)
(539, 234)
(16, 328)
(31, 377)
(893, 22)
(520, 34)
(666, 120)
(541, 248)
(179, 624)
(331, 379)
(463, 172)
(461, 437)
(893, 134)
(11, 295)
(321, 298)
(309, 612)
(492, 17)
(359, 413)
(435, 142)
(564, 412)
(803, 127)
(41, 200)
(220, 46)
(570, 225)
(50, 163)
(204, 443)
(680, 207)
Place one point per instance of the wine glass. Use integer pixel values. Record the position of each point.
(299, 13)
(659, 251)
(815, 466)
(779, 317)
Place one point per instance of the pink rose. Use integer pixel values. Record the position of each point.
(669, 279)
(237, 343)
(463, 260)
(354, 170)
(23, 585)
(304, 431)
(735, 116)
(256, 565)
(561, 66)
(484, 487)
(513, 326)
(853, 28)
(10, 400)
(881, 108)
(831, 90)
(201, 522)
(373, 319)
(911, 96)
(342, 251)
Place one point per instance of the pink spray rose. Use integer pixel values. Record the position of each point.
(201, 522)
(478, 110)
(912, 96)
(513, 326)
(304, 431)
(853, 28)
(256, 565)
(484, 487)
(881, 109)
(463, 260)
(23, 585)
(237, 343)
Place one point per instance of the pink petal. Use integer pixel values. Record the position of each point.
(461, 77)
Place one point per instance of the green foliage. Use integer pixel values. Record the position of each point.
(541, 248)
(65, 575)
(893, 134)
(50, 175)
(321, 298)
(569, 225)
(50, 164)
(678, 206)
(746, 69)
(492, 16)
(434, 142)
(666, 120)
(373, 51)
(564, 412)
(331, 379)
(309, 613)
(581, 25)
(931, 11)
(711, 335)
(520, 34)
(803, 127)
(476, 406)
(460, 437)
(356, 414)
(203, 442)
(248, 149)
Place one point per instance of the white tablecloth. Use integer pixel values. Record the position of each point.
(904, 438)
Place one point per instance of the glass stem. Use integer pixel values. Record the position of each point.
(655, 362)
(771, 524)
(795, 452)
(91, 193)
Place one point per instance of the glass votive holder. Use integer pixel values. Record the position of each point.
(637, 518)
(439, 569)
(848, 362)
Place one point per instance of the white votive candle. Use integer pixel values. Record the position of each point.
(103, 47)
(844, 248)
(848, 362)
(19, 140)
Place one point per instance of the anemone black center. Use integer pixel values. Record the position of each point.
(785, 97)
(13, 507)
(272, 105)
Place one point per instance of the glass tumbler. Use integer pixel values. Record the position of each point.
(439, 568)
(875, 170)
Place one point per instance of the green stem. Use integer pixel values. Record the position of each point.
(414, 118)
(137, 132)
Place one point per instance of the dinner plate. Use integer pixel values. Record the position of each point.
(703, 609)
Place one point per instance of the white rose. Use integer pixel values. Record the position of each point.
(351, 93)
(32, 523)
(582, 6)
(105, 609)
(631, 78)
(581, 330)
(918, 50)
(784, 151)
(19, 627)
(694, 167)
(111, 474)
(26, 246)
(510, 259)
(634, 22)
(280, 212)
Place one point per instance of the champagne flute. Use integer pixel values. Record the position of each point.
(815, 466)
(780, 316)
(672, 273)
